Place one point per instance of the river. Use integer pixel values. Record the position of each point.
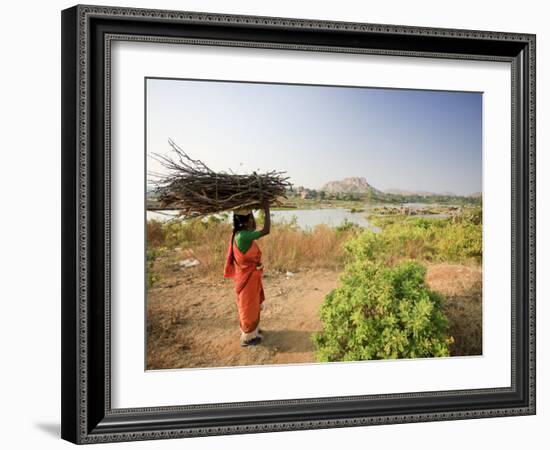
(303, 218)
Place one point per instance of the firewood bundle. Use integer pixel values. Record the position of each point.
(190, 186)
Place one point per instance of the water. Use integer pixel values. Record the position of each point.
(309, 218)
(303, 218)
(162, 216)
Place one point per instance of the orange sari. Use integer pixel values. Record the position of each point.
(246, 269)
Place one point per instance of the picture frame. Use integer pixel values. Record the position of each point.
(86, 405)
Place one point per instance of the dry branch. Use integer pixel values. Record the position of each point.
(196, 190)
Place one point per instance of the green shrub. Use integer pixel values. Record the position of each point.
(346, 225)
(457, 240)
(382, 312)
(152, 255)
(460, 242)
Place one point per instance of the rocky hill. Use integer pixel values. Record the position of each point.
(352, 185)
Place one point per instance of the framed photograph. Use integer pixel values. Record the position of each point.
(277, 224)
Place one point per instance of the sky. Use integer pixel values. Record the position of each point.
(396, 138)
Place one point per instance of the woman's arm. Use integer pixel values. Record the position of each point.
(267, 220)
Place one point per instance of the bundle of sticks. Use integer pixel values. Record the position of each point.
(194, 189)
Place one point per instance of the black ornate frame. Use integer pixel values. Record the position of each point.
(87, 33)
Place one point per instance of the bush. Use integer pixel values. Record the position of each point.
(424, 239)
(152, 276)
(382, 312)
(346, 225)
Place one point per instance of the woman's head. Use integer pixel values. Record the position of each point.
(243, 222)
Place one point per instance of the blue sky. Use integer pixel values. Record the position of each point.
(400, 139)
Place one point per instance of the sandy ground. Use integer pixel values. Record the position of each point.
(193, 321)
(462, 288)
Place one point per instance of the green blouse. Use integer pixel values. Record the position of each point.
(244, 239)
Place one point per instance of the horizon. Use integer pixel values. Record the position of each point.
(396, 139)
(386, 191)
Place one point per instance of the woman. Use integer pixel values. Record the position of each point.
(243, 264)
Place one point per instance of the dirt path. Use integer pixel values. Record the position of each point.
(193, 322)
(199, 327)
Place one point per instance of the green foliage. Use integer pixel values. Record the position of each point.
(152, 255)
(381, 312)
(346, 225)
(384, 197)
(383, 308)
(457, 239)
(460, 242)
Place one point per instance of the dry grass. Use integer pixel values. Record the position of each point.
(291, 249)
(287, 248)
